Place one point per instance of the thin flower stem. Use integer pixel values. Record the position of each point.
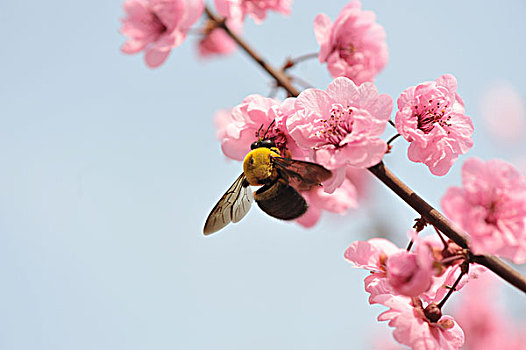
(296, 60)
(393, 138)
(430, 214)
(441, 237)
(451, 259)
(451, 290)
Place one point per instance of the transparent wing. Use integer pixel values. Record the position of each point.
(232, 207)
(300, 174)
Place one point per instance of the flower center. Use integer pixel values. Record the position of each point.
(347, 51)
(155, 24)
(491, 216)
(338, 126)
(432, 113)
(277, 136)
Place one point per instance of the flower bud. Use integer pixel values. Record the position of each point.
(432, 312)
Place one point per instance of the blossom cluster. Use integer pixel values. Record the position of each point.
(158, 26)
(412, 284)
(338, 128)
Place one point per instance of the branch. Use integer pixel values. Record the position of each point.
(280, 77)
(435, 218)
(430, 214)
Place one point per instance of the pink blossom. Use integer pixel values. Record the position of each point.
(342, 199)
(251, 119)
(216, 41)
(396, 271)
(491, 208)
(503, 110)
(236, 10)
(157, 26)
(412, 327)
(354, 46)
(486, 324)
(404, 272)
(342, 125)
(410, 273)
(432, 118)
(370, 255)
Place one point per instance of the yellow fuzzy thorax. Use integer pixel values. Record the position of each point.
(258, 166)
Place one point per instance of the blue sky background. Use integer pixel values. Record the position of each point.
(110, 169)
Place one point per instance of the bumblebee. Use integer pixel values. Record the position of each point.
(280, 180)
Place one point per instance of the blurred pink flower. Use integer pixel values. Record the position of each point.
(483, 320)
(341, 126)
(414, 329)
(503, 110)
(354, 46)
(342, 199)
(257, 9)
(222, 120)
(157, 26)
(216, 41)
(491, 208)
(432, 117)
(361, 179)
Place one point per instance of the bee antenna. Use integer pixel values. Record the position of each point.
(259, 131)
(268, 128)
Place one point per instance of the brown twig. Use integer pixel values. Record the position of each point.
(280, 77)
(435, 218)
(291, 62)
(430, 214)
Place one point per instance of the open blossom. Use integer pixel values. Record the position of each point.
(491, 208)
(256, 116)
(432, 118)
(216, 41)
(413, 327)
(341, 126)
(342, 199)
(236, 10)
(402, 272)
(354, 46)
(398, 272)
(157, 26)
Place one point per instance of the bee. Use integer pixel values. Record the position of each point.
(280, 180)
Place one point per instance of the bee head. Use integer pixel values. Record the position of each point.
(263, 143)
